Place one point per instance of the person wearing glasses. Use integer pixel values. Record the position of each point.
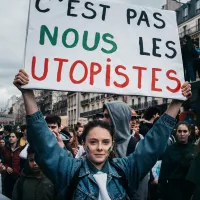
(175, 166)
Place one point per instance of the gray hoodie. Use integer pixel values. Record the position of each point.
(120, 114)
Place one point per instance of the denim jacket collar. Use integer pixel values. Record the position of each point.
(85, 170)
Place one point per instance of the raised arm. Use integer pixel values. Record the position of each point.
(139, 163)
(52, 159)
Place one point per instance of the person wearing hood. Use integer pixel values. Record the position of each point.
(32, 184)
(119, 115)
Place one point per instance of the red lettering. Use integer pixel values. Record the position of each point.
(121, 74)
(108, 73)
(94, 72)
(139, 75)
(45, 69)
(72, 71)
(154, 80)
(178, 87)
(60, 65)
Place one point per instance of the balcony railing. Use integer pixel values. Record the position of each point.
(85, 102)
(145, 105)
(91, 113)
(93, 99)
(190, 31)
(98, 97)
(103, 96)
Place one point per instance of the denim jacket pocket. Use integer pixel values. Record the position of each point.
(80, 194)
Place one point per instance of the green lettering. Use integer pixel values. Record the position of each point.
(45, 31)
(64, 38)
(96, 41)
(106, 38)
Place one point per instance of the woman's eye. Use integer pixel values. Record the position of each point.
(106, 142)
(92, 142)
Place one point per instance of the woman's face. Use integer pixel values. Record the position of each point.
(182, 134)
(196, 131)
(71, 137)
(98, 144)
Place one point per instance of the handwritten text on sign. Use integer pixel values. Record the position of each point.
(100, 46)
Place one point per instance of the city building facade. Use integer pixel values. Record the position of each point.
(188, 19)
(172, 5)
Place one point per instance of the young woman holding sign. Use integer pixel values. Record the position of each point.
(98, 176)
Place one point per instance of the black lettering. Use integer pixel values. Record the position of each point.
(143, 17)
(104, 11)
(131, 14)
(171, 48)
(155, 47)
(88, 8)
(142, 48)
(70, 7)
(156, 16)
(37, 6)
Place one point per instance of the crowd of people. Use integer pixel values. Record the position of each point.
(190, 55)
(117, 155)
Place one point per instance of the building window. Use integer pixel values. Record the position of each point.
(139, 100)
(185, 30)
(198, 26)
(198, 5)
(185, 12)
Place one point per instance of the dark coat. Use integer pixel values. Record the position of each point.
(175, 166)
(28, 187)
(194, 176)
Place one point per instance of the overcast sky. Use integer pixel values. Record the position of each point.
(13, 18)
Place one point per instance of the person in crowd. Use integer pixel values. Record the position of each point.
(23, 140)
(1, 130)
(96, 169)
(79, 131)
(149, 116)
(54, 125)
(197, 59)
(197, 131)
(2, 143)
(194, 136)
(11, 163)
(175, 165)
(7, 130)
(194, 176)
(33, 184)
(73, 142)
(189, 54)
(135, 126)
(70, 144)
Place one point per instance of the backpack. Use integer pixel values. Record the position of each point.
(131, 145)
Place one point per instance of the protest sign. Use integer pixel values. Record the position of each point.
(104, 47)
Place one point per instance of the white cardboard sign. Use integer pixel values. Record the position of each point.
(104, 47)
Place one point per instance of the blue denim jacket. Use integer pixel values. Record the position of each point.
(60, 168)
